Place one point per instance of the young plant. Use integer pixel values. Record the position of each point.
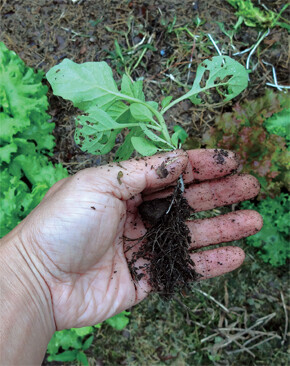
(231, 32)
(108, 112)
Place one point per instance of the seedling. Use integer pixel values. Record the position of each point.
(231, 32)
(110, 111)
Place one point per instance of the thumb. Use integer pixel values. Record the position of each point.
(128, 178)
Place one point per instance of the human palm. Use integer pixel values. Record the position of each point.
(77, 232)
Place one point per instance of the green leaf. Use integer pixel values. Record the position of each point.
(144, 146)
(23, 103)
(22, 95)
(140, 112)
(119, 112)
(179, 135)
(254, 16)
(10, 126)
(65, 339)
(165, 101)
(138, 90)
(6, 152)
(152, 136)
(102, 120)
(96, 132)
(279, 123)
(25, 134)
(83, 331)
(88, 342)
(223, 71)
(127, 86)
(119, 321)
(228, 33)
(53, 346)
(284, 25)
(87, 84)
(64, 356)
(118, 50)
(82, 358)
(126, 149)
(153, 104)
(273, 237)
(94, 141)
(37, 169)
(41, 135)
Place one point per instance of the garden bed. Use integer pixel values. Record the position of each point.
(237, 319)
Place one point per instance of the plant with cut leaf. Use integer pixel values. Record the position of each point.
(110, 110)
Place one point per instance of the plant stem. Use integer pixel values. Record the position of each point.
(157, 128)
(185, 96)
(191, 93)
(162, 124)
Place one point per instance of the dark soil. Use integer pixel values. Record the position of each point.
(165, 246)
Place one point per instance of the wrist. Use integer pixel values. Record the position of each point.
(27, 322)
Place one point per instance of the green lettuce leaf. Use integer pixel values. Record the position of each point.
(273, 239)
(25, 136)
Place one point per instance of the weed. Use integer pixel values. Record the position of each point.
(71, 344)
(256, 17)
(231, 32)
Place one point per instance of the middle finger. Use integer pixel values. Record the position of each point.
(216, 193)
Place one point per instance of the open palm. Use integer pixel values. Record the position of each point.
(77, 232)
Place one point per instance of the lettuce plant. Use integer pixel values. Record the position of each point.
(26, 140)
(257, 131)
(110, 110)
(273, 239)
(279, 124)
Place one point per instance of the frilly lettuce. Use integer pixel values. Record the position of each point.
(25, 140)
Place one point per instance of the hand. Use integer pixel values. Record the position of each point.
(75, 236)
